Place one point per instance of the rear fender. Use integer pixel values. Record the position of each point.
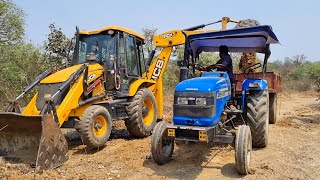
(134, 87)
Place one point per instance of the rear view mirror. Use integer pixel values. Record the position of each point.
(181, 63)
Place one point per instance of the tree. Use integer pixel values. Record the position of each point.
(298, 59)
(11, 23)
(148, 34)
(58, 48)
(20, 62)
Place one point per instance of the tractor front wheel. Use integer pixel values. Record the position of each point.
(161, 145)
(142, 112)
(243, 148)
(95, 126)
(258, 117)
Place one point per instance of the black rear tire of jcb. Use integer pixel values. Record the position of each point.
(86, 126)
(134, 123)
(273, 108)
(258, 117)
(243, 148)
(161, 153)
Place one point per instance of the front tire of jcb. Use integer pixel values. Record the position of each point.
(273, 108)
(142, 112)
(258, 117)
(161, 146)
(243, 148)
(95, 126)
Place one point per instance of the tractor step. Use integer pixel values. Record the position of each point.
(233, 112)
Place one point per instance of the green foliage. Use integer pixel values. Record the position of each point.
(171, 75)
(58, 48)
(21, 66)
(208, 58)
(11, 23)
(20, 62)
(297, 73)
(148, 33)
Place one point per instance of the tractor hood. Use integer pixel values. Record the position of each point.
(208, 82)
(64, 74)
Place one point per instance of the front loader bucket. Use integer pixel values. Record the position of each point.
(36, 140)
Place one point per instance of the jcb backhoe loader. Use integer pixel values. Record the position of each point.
(109, 79)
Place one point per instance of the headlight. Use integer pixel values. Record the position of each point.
(201, 101)
(182, 100)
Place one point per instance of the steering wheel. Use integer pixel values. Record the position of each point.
(220, 65)
(251, 68)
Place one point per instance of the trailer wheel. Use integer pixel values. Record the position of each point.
(273, 108)
(161, 146)
(95, 126)
(143, 113)
(243, 148)
(258, 117)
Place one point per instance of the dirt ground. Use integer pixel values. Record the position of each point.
(292, 153)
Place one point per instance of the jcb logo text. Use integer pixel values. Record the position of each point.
(157, 69)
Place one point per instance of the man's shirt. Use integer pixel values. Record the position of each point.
(227, 61)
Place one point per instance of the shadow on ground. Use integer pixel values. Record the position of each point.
(191, 159)
(75, 142)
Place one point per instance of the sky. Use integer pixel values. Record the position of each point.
(295, 22)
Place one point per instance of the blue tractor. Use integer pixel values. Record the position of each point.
(202, 105)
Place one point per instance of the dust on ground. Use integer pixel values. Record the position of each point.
(292, 153)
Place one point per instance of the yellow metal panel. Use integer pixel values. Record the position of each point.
(156, 72)
(117, 28)
(31, 108)
(61, 75)
(135, 85)
(79, 111)
(70, 101)
(64, 74)
(94, 72)
(159, 99)
(158, 66)
(169, 38)
(99, 89)
(174, 37)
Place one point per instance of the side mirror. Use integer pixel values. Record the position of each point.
(181, 63)
(184, 71)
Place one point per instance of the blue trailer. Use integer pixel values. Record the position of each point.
(202, 105)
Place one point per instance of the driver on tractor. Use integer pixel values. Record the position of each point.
(224, 64)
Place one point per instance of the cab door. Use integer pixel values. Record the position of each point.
(131, 61)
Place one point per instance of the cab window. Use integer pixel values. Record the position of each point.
(132, 60)
(141, 56)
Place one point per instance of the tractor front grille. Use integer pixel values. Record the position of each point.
(193, 110)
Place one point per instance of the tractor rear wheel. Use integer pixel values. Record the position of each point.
(95, 126)
(258, 117)
(243, 148)
(161, 146)
(142, 113)
(273, 108)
